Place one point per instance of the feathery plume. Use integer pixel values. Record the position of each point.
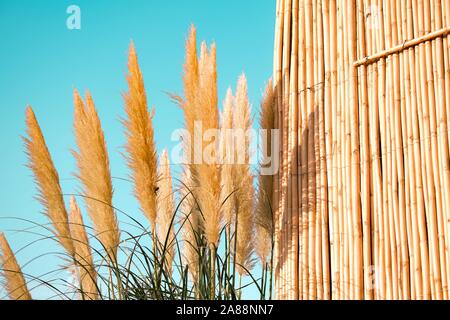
(15, 284)
(243, 181)
(94, 174)
(191, 225)
(84, 262)
(200, 105)
(227, 157)
(47, 181)
(166, 210)
(264, 219)
(141, 152)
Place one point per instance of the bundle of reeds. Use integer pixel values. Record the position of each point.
(362, 102)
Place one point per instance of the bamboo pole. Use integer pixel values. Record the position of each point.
(326, 136)
(284, 145)
(303, 159)
(277, 188)
(443, 146)
(318, 101)
(406, 45)
(365, 164)
(335, 273)
(292, 153)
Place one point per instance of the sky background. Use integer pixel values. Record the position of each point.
(41, 62)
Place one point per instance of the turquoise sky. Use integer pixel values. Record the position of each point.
(41, 61)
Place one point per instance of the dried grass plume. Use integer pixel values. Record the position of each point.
(15, 283)
(94, 173)
(141, 152)
(85, 265)
(166, 210)
(264, 217)
(47, 181)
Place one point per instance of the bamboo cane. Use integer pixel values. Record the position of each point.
(293, 252)
(335, 273)
(326, 136)
(277, 188)
(303, 142)
(317, 91)
(443, 146)
(365, 164)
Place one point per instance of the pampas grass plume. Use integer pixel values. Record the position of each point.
(47, 181)
(141, 152)
(84, 261)
(94, 174)
(15, 284)
(264, 219)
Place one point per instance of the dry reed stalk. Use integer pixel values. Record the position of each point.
(428, 150)
(47, 181)
(385, 238)
(411, 210)
(355, 158)
(335, 272)
(264, 226)
(15, 284)
(310, 173)
(318, 104)
(410, 203)
(434, 149)
(446, 21)
(292, 156)
(303, 157)
(365, 164)
(380, 283)
(326, 159)
(420, 173)
(141, 152)
(443, 146)
(243, 182)
(87, 276)
(399, 178)
(413, 150)
(284, 145)
(165, 204)
(277, 73)
(94, 174)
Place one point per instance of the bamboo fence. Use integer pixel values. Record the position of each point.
(362, 199)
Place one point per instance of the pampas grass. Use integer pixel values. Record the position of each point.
(83, 254)
(200, 105)
(243, 182)
(166, 211)
(227, 157)
(141, 153)
(93, 172)
(15, 283)
(216, 195)
(263, 215)
(47, 181)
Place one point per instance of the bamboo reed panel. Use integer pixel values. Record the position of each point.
(363, 193)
